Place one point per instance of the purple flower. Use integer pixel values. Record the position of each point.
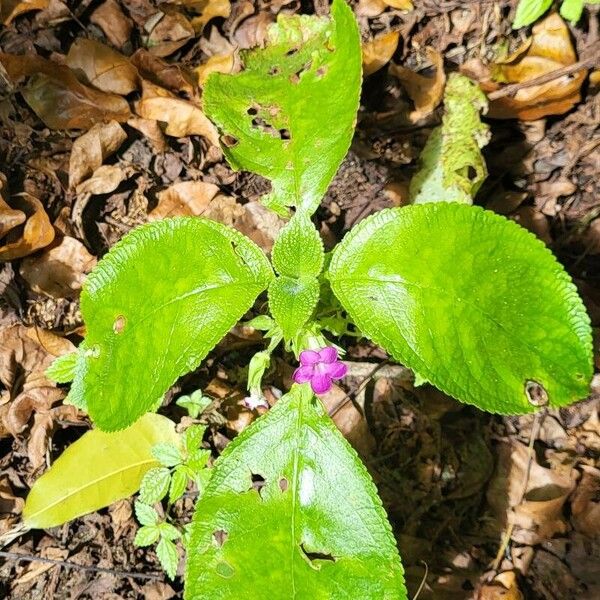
(320, 368)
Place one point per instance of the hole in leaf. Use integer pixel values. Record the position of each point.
(93, 352)
(225, 570)
(285, 134)
(229, 141)
(283, 484)
(295, 78)
(536, 394)
(220, 537)
(274, 71)
(258, 483)
(119, 324)
(321, 72)
(291, 52)
(471, 172)
(313, 557)
(252, 111)
(260, 123)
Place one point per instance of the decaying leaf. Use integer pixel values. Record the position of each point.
(180, 116)
(220, 63)
(373, 8)
(151, 130)
(425, 92)
(503, 587)
(379, 51)
(92, 148)
(11, 9)
(36, 232)
(206, 9)
(9, 218)
(585, 503)
(173, 77)
(113, 22)
(170, 33)
(104, 180)
(451, 165)
(60, 271)
(102, 67)
(58, 98)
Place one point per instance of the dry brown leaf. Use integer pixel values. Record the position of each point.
(585, 503)
(549, 49)
(373, 8)
(11, 9)
(170, 76)
(425, 92)
(151, 131)
(400, 4)
(9, 503)
(223, 63)
(379, 51)
(36, 233)
(207, 9)
(503, 587)
(33, 570)
(9, 218)
(169, 33)
(182, 118)
(58, 98)
(260, 224)
(60, 271)
(92, 148)
(253, 31)
(114, 23)
(102, 67)
(104, 180)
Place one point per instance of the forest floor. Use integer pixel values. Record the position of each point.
(451, 477)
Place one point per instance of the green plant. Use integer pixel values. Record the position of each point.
(472, 302)
(529, 11)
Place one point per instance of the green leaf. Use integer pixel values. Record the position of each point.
(146, 514)
(289, 114)
(196, 403)
(471, 301)
(146, 535)
(155, 305)
(169, 532)
(62, 369)
(529, 11)
(314, 528)
(572, 10)
(298, 250)
(168, 557)
(192, 438)
(452, 167)
(155, 485)
(179, 481)
(198, 459)
(292, 302)
(95, 471)
(167, 455)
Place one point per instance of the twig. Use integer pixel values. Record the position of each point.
(513, 88)
(423, 581)
(71, 565)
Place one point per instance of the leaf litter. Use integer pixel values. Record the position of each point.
(103, 129)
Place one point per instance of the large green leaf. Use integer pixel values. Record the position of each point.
(155, 306)
(529, 11)
(292, 302)
(289, 115)
(290, 512)
(474, 303)
(95, 471)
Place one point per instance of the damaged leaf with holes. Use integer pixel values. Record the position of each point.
(304, 521)
(289, 115)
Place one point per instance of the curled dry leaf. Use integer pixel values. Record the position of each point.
(92, 148)
(36, 231)
(503, 587)
(379, 51)
(169, 33)
(11, 9)
(58, 98)
(104, 180)
(156, 70)
(102, 67)
(9, 218)
(181, 117)
(114, 23)
(206, 9)
(151, 131)
(373, 8)
(585, 503)
(220, 63)
(425, 92)
(59, 272)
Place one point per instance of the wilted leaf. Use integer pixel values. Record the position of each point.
(95, 471)
(185, 198)
(171, 32)
(102, 67)
(503, 587)
(151, 130)
(207, 9)
(220, 63)
(113, 22)
(549, 49)
(58, 98)
(9, 218)
(378, 52)
(36, 233)
(60, 271)
(425, 92)
(173, 77)
(104, 180)
(92, 148)
(11, 9)
(182, 118)
(452, 167)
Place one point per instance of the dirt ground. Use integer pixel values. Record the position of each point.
(483, 507)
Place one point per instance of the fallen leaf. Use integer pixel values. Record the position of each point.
(400, 4)
(425, 92)
(58, 98)
(11, 9)
(379, 51)
(373, 8)
(151, 130)
(252, 32)
(221, 63)
(182, 118)
(207, 9)
(33, 570)
(60, 271)
(9, 218)
(102, 67)
(585, 503)
(503, 587)
(260, 224)
(169, 33)
(9, 503)
(104, 180)
(170, 76)
(114, 23)
(36, 232)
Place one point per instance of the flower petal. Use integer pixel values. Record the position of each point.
(320, 383)
(337, 370)
(328, 354)
(309, 357)
(303, 374)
